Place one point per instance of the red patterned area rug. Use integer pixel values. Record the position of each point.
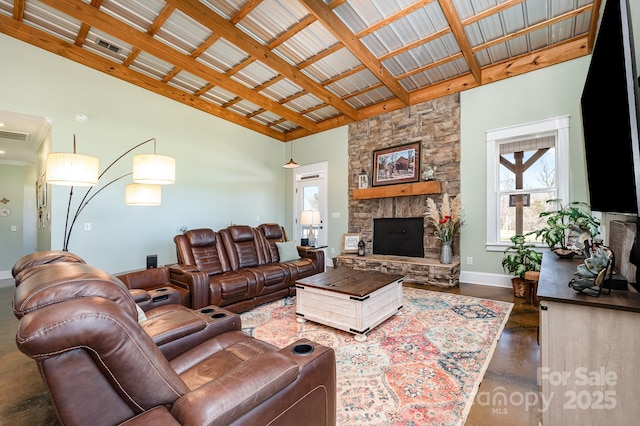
(422, 366)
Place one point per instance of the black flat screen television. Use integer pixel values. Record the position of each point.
(610, 104)
(610, 115)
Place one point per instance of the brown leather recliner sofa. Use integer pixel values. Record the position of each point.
(149, 288)
(102, 366)
(240, 267)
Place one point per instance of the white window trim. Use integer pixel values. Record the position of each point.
(558, 126)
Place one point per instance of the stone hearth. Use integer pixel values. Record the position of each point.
(415, 269)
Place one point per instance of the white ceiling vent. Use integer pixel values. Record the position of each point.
(112, 47)
(19, 136)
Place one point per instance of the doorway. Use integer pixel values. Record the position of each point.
(310, 205)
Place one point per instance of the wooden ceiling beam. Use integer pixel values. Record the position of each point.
(416, 43)
(215, 22)
(394, 17)
(593, 24)
(84, 28)
(324, 14)
(162, 17)
(107, 23)
(453, 19)
(246, 9)
(199, 51)
(76, 54)
(18, 9)
(491, 11)
(304, 23)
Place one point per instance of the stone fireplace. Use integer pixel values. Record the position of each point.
(435, 124)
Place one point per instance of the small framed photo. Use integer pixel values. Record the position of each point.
(41, 191)
(398, 164)
(363, 180)
(350, 243)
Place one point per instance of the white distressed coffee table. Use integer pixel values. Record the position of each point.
(350, 300)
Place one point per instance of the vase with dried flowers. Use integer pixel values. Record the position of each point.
(447, 221)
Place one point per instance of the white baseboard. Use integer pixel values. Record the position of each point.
(5, 274)
(495, 280)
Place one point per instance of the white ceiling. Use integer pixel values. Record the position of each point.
(21, 151)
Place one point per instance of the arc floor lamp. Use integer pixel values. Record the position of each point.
(149, 171)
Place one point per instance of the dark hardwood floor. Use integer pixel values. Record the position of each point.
(507, 396)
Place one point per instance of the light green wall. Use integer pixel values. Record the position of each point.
(546, 93)
(329, 146)
(11, 188)
(224, 172)
(549, 92)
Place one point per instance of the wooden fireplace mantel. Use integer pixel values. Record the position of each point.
(401, 190)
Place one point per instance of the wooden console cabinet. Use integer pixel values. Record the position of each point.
(590, 351)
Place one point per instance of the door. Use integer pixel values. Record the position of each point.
(310, 204)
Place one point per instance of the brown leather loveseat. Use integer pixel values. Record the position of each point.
(102, 366)
(241, 267)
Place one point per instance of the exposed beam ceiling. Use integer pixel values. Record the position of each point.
(292, 68)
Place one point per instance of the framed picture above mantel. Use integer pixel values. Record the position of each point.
(398, 164)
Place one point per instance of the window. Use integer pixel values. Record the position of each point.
(526, 165)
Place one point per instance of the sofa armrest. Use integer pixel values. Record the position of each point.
(197, 282)
(176, 329)
(316, 255)
(139, 295)
(239, 395)
(241, 389)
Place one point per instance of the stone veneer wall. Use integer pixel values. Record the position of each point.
(436, 124)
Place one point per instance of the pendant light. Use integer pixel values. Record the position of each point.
(291, 164)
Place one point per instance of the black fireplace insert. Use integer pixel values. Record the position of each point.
(399, 236)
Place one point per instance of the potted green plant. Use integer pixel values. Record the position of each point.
(567, 227)
(519, 258)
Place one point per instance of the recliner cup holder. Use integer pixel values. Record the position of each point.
(303, 349)
(219, 315)
(162, 289)
(206, 311)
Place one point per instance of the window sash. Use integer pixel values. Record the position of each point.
(512, 138)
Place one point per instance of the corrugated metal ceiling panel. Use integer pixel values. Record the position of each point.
(151, 66)
(183, 33)
(333, 65)
(138, 14)
(255, 74)
(187, 82)
(50, 21)
(226, 8)
(307, 43)
(223, 55)
(244, 107)
(218, 95)
(281, 90)
(323, 113)
(371, 97)
(353, 83)
(303, 103)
